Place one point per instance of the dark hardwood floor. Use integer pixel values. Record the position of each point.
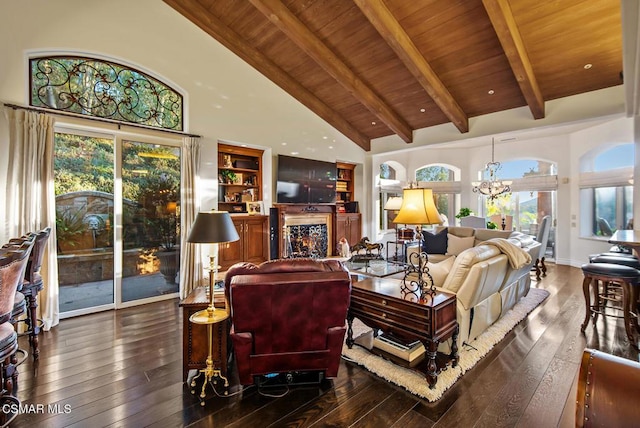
(123, 368)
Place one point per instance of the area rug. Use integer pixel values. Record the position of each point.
(415, 382)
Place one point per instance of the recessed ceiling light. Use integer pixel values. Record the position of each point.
(295, 153)
(284, 144)
(331, 147)
(373, 123)
(491, 92)
(587, 66)
(243, 145)
(422, 110)
(325, 138)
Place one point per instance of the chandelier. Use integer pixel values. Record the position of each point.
(492, 188)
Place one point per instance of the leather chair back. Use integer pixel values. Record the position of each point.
(543, 235)
(288, 315)
(13, 262)
(32, 273)
(608, 391)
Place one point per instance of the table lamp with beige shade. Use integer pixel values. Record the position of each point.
(419, 209)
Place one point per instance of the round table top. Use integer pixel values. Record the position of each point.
(206, 317)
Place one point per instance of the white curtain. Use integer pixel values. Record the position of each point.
(30, 196)
(190, 260)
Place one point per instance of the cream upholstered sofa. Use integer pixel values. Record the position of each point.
(488, 277)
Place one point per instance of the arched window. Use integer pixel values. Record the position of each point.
(103, 89)
(606, 192)
(444, 180)
(532, 197)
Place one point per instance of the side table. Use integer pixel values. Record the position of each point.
(400, 250)
(195, 338)
(209, 318)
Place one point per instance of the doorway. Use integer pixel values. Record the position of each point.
(117, 220)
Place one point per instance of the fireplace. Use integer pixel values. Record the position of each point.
(307, 235)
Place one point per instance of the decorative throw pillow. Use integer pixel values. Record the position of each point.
(456, 245)
(440, 271)
(435, 244)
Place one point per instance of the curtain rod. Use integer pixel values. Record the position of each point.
(98, 119)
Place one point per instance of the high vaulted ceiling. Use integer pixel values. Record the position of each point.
(373, 68)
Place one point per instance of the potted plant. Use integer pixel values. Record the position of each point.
(464, 212)
(168, 251)
(228, 176)
(160, 203)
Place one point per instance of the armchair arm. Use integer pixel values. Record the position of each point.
(243, 345)
(335, 339)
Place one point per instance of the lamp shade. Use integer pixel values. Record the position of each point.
(213, 227)
(418, 208)
(393, 204)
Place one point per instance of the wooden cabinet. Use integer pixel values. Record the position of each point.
(239, 177)
(348, 225)
(253, 245)
(344, 185)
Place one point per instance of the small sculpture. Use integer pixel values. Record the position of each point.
(364, 244)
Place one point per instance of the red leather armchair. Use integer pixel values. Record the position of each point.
(288, 316)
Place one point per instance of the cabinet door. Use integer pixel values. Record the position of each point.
(341, 229)
(232, 252)
(354, 232)
(256, 235)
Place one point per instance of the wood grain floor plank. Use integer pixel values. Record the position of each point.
(124, 369)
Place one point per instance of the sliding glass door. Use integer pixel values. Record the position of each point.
(151, 220)
(117, 221)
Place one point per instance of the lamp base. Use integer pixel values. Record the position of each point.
(417, 279)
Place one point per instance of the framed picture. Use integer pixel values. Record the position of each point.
(226, 161)
(238, 178)
(254, 207)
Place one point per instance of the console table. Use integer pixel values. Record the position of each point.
(380, 304)
(195, 342)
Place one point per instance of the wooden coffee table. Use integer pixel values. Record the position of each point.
(380, 304)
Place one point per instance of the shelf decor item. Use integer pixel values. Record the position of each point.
(238, 178)
(254, 207)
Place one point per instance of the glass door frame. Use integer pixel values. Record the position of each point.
(117, 136)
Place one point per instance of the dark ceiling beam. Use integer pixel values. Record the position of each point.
(197, 14)
(293, 28)
(505, 27)
(392, 32)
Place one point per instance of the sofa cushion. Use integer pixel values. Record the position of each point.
(435, 244)
(486, 234)
(457, 245)
(440, 271)
(465, 261)
(460, 231)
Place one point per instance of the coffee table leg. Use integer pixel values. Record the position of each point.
(432, 368)
(350, 340)
(454, 348)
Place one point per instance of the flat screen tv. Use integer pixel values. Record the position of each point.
(305, 181)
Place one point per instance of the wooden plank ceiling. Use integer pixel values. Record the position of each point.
(373, 68)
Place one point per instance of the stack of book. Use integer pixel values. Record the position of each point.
(341, 186)
(411, 352)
